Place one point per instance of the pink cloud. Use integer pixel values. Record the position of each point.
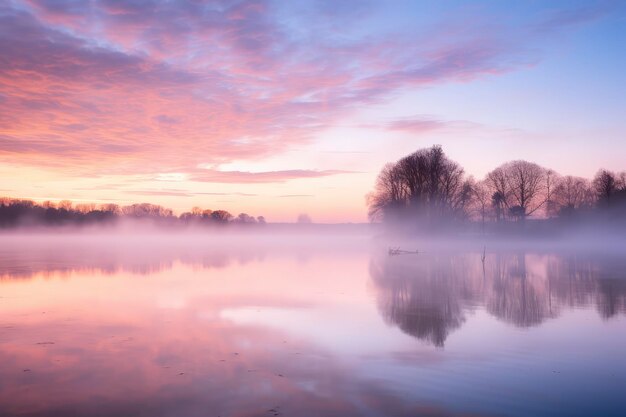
(114, 86)
(416, 125)
(210, 175)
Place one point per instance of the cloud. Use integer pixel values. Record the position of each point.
(233, 194)
(423, 124)
(183, 193)
(115, 86)
(417, 125)
(558, 19)
(159, 193)
(216, 176)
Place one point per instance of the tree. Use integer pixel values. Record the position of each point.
(206, 214)
(606, 184)
(389, 194)
(65, 205)
(85, 207)
(221, 216)
(304, 219)
(551, 180)
(520, 186)
(482, 199)
(111, 208)
(498, 202)
(146, 210)
(245, 218)
(423, 188)
(570, 194)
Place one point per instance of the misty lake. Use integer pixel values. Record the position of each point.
(316, 326)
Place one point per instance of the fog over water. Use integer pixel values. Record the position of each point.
(308, 324)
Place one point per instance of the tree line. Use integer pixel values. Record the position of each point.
(428, 191)
(19, 212)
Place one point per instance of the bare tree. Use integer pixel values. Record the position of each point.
(110, 208)
(65, 204)
(498, 183)
(551, 180)
(498, 202)
(85, 207)
(146, 210)
(424, 187)
(221, 216)
(571, 193)
(606, 184)
(245, 218)
(520, 185)
(482, 199)
(389, 194)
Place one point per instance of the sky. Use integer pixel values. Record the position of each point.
(278, 108)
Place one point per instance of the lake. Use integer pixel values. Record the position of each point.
(307, 326)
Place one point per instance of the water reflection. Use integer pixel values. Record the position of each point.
(26, 258)
(429, 296)
(255, 328)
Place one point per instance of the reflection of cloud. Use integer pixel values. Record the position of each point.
(182, 367)
(427, 297)
(124, 355)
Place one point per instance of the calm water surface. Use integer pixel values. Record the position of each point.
(311, 327)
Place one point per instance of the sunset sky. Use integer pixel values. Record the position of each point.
(278, 108)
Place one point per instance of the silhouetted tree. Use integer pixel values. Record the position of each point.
(498, 202)
(221, 216)
(482, 200)
(146, 210)
(570, 194)
(606, 185)
(389, 195)
(15, 212)
(424, 188)
(244, 218)
(111, 208)
(521, 185)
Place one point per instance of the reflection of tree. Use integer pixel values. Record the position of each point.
(611, 297)
(579, 281)
(422, 300)
(426, 296)
(515, 297)
(27, 259)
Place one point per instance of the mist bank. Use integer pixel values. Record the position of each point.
(23, 255)
(26, 216)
